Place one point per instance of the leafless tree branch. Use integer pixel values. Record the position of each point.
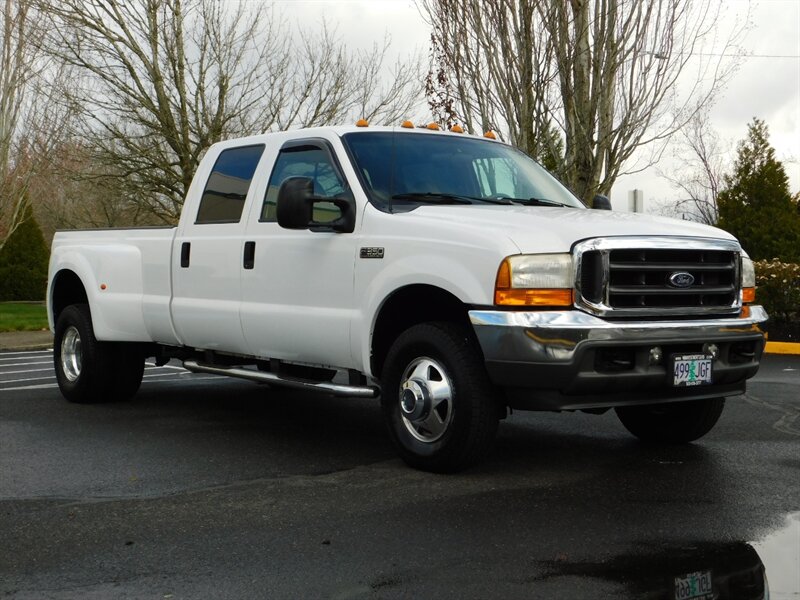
(606, 73)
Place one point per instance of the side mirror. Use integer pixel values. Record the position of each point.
(601, 202)
(295, 203)
(295, 208)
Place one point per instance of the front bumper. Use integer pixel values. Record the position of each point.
(566, 360)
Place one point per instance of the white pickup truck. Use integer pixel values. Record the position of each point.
(449, 275)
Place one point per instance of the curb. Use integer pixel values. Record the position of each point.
(29, 348)
(782, 348)
(21, 341)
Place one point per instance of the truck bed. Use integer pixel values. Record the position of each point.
(126, 273)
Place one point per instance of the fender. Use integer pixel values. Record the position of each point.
(440, 271)
(111, 274)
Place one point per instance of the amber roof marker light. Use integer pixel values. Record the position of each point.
(490, 134)
(362, 123)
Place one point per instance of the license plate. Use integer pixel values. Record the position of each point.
(691, 369)
(694, 586)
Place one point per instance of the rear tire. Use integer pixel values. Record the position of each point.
(439, 405)
(89, 371)
(673, 423)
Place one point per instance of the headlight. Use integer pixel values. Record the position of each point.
(535, 280)
(748, 280)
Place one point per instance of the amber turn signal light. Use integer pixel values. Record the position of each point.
(748, 295)
(505, 295)
(533, 297)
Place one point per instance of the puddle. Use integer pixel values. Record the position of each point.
(701, 571)
(780, 553)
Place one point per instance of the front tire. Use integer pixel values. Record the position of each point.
(440, 407)
(89, 371)
(673, 423)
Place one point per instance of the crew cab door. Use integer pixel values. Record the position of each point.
(297, 295)
(207, 256)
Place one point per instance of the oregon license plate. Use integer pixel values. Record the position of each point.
(691, 369)
(694, 586)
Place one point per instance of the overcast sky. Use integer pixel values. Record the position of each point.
(767, 84)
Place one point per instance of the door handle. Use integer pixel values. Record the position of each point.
(186, 249)
(249, 255)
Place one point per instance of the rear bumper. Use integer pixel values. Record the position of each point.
(564, 360)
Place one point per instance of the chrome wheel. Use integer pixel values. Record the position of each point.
(71, 355)
(426, 399)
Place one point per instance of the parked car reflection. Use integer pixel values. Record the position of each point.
(720, 571)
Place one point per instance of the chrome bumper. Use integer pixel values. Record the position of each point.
(556, 336)
(568, 360)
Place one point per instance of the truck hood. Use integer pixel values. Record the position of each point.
(553, 229)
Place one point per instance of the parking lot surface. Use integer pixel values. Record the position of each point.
(203, 487)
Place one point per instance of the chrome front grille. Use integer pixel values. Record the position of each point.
(658, 276)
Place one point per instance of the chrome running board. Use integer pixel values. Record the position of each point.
(357, 391)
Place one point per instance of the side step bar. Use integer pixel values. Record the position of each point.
(357, 391)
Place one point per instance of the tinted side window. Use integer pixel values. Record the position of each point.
(226, 189)
(312, 163)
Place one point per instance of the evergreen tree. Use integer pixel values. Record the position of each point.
(23, 262)
(756, 205)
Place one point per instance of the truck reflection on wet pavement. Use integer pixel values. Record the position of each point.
(732, 571)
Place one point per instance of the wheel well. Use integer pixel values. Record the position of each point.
(67, 289)
(407, 307)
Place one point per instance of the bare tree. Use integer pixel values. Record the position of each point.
(165, 79)
(32, 123)
(605, 72)
(698, 174)
(73, 193)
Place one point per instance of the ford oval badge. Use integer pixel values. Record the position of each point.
(681, 279)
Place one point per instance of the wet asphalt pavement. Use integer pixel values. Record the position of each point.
(204, 487)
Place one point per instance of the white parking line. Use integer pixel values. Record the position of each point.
(166, 375)
(7, 355)
(153, 373)
(27, 371)
(219, 378)
(44, 386)
(27, 379)
(153, 366)
(47, 386)
(25, 364)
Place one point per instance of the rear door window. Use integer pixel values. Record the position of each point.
(227, 186)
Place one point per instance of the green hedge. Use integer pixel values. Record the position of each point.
(778, 288)
(23, 263)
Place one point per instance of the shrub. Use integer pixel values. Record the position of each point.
(778, 286)
(23, 263)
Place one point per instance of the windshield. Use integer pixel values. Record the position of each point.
(407, 168)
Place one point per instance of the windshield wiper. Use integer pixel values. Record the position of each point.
(434, 198)
(539, 202)
(450, 198)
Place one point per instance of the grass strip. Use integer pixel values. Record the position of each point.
(23, 316)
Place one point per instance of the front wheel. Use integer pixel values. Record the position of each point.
(673, 423)
(441, 409)
(89, 371)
